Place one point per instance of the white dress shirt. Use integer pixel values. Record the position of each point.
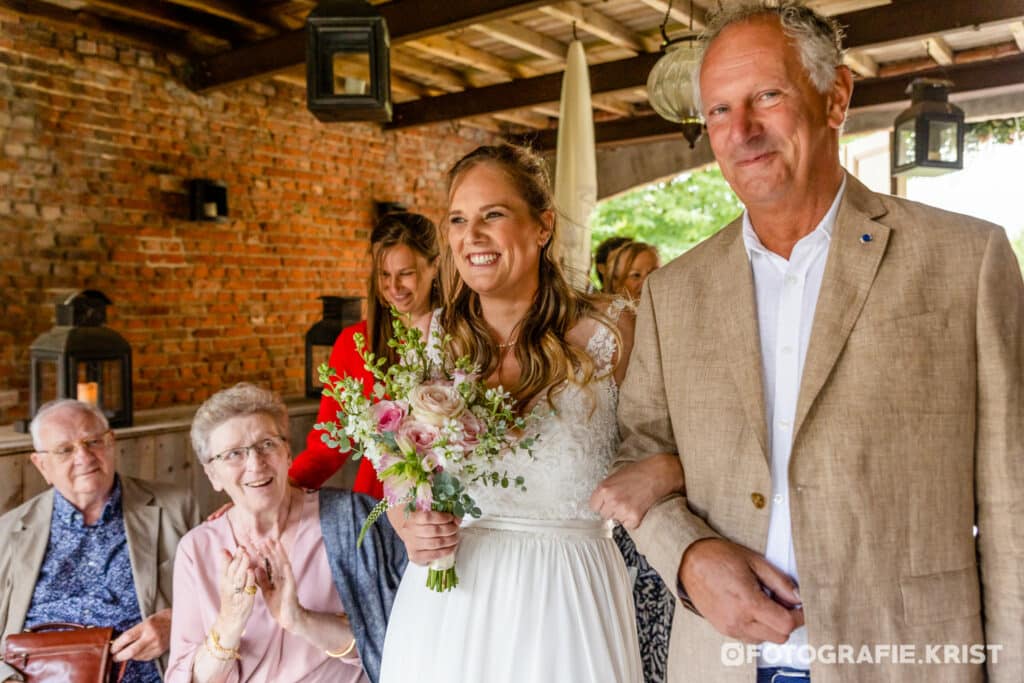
(787, 293)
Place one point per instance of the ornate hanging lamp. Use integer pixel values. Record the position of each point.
(670, 83)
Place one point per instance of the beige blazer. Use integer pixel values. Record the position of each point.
(909, 432)
(156, 516)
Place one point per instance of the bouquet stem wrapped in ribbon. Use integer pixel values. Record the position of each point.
(435, 426)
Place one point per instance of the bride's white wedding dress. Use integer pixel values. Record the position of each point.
(543, 592)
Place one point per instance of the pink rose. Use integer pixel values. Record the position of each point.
(389, 415)
(435, 402)
(472, 428)
(421, 436)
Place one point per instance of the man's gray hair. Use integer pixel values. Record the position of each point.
(818, 39)
(36, 427)
(241, 400)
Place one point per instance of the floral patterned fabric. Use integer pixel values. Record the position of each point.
(655, 606)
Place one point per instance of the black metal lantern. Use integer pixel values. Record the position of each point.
(928, 137)
(347, 62)
(83, 358)
(339, 313)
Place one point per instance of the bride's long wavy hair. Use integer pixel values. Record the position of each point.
(546, 358)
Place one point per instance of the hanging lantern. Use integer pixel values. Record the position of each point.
(928, 137)
(83, 358)
(339, 313)
(670, 84)
(347, 62)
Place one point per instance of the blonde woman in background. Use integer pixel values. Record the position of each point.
(629, 266)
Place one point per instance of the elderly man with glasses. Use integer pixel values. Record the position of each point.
(97, 548)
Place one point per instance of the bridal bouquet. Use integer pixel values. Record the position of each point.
(434, 427)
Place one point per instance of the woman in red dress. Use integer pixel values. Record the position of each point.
(404, 250)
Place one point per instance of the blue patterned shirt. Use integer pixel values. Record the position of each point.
(86, 577)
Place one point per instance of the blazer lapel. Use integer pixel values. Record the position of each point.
(28, 549)
(739, 332)
(849, 273)
(142, 530)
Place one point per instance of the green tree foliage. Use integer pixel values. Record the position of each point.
(673, 215)
(1018, 246)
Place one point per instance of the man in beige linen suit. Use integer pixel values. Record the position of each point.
(132, 527)
(842, 375)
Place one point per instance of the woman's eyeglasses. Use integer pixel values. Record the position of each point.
(235, 457)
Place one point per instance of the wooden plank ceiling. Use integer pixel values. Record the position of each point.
(497, 64)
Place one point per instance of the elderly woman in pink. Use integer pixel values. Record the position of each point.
(254, 594)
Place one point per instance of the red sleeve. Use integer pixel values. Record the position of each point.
(315, 465)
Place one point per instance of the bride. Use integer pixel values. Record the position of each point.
(543, 592)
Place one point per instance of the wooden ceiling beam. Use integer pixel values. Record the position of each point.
(154, 13)
(523, 38)
(1017, 29)
(431, 72)
(678, 14)
(866, 28)
(407, 20)
(907, 19)
(871, 92)
(462, 53)
(528, 92)
(525, 118)
(600, 25)
(231, 11)
(939, 50)
(77, 21)
(861, 63)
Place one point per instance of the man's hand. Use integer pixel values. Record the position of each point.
(427, 535)
(727, 584)
(627, 495)
(145, 641)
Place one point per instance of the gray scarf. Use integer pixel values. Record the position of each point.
(367, 577)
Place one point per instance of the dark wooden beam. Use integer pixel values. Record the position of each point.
(910, 18)
(407, 20)
(606, 77)
(967, 77)
(78, 21)
(900, 21)
(870, 92)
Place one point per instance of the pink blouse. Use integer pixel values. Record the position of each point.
(269, 653)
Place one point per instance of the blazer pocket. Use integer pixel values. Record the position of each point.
(902, 326)
(945, 596)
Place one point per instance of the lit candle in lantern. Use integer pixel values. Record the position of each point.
(88, 392)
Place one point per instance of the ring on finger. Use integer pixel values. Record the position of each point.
(251, 590)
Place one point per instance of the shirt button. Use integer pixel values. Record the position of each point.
(785, 424)
(792, 280)
(757, 499)
(787, 350)
(777, 498)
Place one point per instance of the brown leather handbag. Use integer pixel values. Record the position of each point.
(70, 653)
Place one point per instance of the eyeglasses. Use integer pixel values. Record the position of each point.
(268, 447)
(92, 444)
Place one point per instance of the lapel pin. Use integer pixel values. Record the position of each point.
(865, 238)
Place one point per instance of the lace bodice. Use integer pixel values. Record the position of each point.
(577, 439)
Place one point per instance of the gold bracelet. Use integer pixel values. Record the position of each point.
(342, 653)
(218, 651)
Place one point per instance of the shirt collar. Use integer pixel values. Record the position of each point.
(823, 230)
(69, 515)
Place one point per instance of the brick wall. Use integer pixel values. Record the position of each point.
(96, 140)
